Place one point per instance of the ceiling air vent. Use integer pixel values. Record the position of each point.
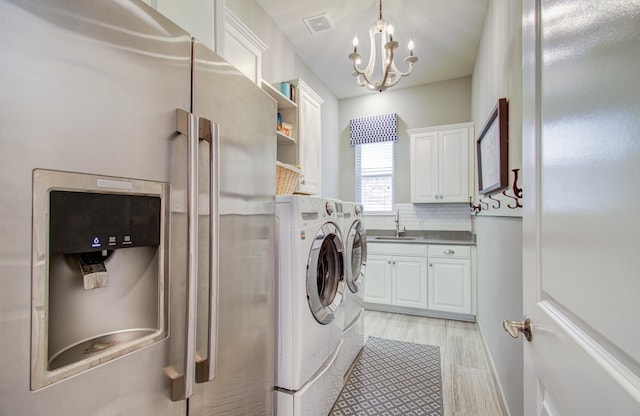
(318, 23)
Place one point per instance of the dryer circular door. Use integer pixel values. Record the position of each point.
(356, 248)
(325, 274)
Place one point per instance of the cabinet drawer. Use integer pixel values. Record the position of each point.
(450, 251)
(397, 249)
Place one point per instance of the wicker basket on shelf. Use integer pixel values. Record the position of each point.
(286, 178)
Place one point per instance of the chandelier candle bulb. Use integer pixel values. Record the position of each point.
(355, 44)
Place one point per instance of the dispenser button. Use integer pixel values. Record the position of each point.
(96, 242)
(127, 239)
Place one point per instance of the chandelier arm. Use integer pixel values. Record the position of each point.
(370, 85)
(356, 57)
(385, 58)
(405, 73)
(371, 65)
(387, 67)
(373, 86)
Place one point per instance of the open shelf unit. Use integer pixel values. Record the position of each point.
(288, 112)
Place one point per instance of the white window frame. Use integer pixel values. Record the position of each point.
(358, 180)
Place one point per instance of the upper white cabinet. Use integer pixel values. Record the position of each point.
(203, 19)
(242, 48)
(309, 137)
(440, 163)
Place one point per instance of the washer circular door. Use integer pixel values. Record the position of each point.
(325, 274)
(356, 243)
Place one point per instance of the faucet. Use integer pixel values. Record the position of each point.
(398, 223)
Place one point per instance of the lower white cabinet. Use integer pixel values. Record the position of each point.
(378, 279)
(396, 274)
(432, 280)
(449, 285)
(409, 282)
(397, 280)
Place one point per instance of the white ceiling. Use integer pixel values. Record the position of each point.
(446, 34)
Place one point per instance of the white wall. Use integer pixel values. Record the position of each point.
(280, 63)
(433, 217)
(440, 103)
(498, 73)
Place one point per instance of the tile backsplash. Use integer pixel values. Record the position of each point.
(452, 217)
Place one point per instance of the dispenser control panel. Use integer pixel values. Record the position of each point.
(82, 222)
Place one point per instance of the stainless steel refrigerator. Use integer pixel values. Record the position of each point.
(136, 218)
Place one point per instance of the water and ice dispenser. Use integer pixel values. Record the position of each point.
(99, 271)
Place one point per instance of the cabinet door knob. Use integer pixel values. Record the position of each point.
(388, 261)
(449, 251)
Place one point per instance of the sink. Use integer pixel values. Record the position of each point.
(395, 238)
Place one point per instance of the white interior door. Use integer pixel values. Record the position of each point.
(581, 154)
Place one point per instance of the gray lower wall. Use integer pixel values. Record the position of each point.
(498, 73)
(499, 258)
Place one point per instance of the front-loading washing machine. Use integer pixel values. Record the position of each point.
(355, 243)
(310, 289)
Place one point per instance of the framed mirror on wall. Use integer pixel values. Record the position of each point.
(493, 150)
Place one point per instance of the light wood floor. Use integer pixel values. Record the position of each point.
(467, 385)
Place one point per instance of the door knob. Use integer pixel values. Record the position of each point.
(515, 328)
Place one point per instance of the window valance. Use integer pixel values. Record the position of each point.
(374, 129)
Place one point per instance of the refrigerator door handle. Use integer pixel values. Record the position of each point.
(182, 384)
(206, 367)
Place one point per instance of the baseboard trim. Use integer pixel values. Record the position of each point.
(494, 372)
(419, 312)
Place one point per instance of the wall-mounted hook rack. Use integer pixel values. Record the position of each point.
(483, 205)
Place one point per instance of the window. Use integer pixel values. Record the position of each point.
(374, 176)
(374, 138)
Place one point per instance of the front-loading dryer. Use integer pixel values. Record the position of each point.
(310, 291)
(355, 242)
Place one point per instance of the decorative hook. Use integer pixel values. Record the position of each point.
(494, 206)
(475, 208)
(516, 191)
(482, 204)
(517, 205)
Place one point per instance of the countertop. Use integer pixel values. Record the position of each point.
(422, 237)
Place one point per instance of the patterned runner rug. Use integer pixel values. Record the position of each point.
(393, 378)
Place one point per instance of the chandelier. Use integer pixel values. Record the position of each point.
(390, 72)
